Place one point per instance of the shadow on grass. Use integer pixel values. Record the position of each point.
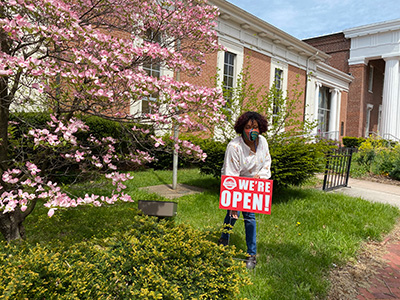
(210, 184)
(286, 194)
(162, 180)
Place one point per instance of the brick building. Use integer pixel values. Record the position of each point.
(268, 51)
(371, 54)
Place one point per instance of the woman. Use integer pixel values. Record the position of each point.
(247, 156)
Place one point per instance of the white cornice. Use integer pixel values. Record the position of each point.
(334, 77)
(265, 30)
(372, 29)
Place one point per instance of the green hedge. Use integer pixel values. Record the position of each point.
(352, 142)
(215, 156)
(297, 160)
(56, 167)
(164, 156)
(151, 260)
(379, 157)
(293, 162)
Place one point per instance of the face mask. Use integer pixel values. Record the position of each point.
(251, 134)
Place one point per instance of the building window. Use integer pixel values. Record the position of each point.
(278, 94)
(370, 78)
(229, 75)
(324, 104)
(152, 69)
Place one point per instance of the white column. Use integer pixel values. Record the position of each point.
(333, 114)
(316, 103)
(390, 105)
(398, 110)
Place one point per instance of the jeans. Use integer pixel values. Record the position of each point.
(250, 228)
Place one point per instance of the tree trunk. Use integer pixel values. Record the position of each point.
(11, 225)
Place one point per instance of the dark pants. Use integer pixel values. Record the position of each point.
(250, 228)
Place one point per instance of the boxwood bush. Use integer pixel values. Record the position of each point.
(151, 260)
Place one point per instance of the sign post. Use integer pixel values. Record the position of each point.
(246, 194)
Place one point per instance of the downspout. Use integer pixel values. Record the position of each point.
(305, 92)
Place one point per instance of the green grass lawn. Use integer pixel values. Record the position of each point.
(308, 232)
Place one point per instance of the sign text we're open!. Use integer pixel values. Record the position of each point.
(246, 194)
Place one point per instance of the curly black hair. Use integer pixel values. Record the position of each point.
(251, 115)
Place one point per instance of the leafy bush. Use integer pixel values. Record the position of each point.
(352, 142)
(164, 155)
(215, 157)
(152, 260)
(368, 149)
(387, 162)
(57, 168)
(295, 161)
(380, 157)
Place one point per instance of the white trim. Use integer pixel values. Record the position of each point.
(236, 49)
(276, 64)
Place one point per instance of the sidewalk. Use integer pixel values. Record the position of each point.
(384, 281)
(372, 191)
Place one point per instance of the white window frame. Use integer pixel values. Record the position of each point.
(324, 114)
(238, 50)
(279, 65)
(231, 75)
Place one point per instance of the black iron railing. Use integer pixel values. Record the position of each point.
(337, 169)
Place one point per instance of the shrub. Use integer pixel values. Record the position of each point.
(164, 156)
(215, 157)
(368, 150)
(295, 161)
(151, 260)
(380, 157)
(56, 167)
(352, 142)
(387, 162)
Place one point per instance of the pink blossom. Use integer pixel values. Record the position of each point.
(51, 212)
(32, 168)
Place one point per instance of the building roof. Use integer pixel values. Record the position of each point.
(261, 28)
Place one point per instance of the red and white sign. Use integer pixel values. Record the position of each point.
(246, 194)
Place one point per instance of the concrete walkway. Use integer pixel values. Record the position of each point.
(167, 191)
(372, 191)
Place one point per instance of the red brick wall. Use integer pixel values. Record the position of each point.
(297, 84)
(375, 98)
(343, 114)
(337, 46)
(356, 103)
(259, 67)
(208, 73)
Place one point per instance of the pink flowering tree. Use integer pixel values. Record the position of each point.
(90, 57)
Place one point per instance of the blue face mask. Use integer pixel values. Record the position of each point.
(251, 134)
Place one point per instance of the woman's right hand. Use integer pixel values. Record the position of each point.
(234, 214)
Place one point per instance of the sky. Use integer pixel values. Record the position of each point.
(310, 18)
